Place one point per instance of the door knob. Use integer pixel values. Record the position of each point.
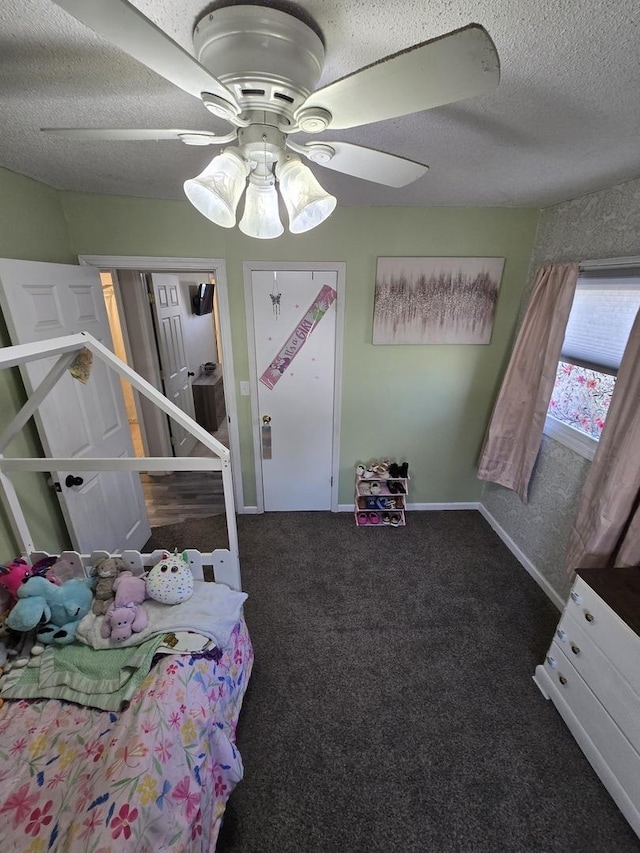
(190, 373)
(266, 419)
(73, 481)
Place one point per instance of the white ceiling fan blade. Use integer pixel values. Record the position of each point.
(458, 65)
(127, 28)
(365, 163)
(190, 137)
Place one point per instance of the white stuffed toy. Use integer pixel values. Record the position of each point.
(170, 581)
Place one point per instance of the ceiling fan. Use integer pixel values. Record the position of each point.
(257, 67)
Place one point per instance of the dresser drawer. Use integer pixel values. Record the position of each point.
(619, 643)
(613, 691)
(566, 687)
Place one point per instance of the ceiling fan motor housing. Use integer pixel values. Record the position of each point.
(268, 59)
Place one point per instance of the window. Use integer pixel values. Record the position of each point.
(604, 308)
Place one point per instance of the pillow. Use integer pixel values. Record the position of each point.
(170, 581)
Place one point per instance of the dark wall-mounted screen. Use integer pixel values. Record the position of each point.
(203, 300)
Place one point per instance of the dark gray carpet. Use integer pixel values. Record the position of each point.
(391, 706)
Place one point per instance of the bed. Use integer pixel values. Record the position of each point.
(154, 773)
(154, 776)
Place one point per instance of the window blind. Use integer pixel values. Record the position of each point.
(604, 308)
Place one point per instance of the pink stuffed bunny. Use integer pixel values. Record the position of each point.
(126, 616)
(129, 589)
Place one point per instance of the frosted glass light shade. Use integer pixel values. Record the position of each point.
(307, 203)
(261, 217)
(216, 191)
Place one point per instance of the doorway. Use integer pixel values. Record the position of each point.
(295, 320)
(178, 351)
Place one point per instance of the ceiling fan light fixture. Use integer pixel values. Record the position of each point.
(261, 216)
(307, 203)
(216, 191)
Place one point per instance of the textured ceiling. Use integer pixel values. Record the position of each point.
(564, 121)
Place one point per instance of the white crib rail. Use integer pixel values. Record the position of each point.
(220, 563)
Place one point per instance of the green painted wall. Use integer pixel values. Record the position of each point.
(426, 404)
(33, 228)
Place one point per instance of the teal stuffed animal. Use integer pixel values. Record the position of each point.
(55, 611)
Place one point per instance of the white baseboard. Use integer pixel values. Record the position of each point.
(247, 510)
(522, 558)
(443, 506)
(421, 507)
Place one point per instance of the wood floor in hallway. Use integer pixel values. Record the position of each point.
(184, 495)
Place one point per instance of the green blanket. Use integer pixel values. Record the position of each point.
(104, 679)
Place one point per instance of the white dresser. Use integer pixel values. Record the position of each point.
(592, 676)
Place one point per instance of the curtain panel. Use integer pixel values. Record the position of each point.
(514, 434)
(606, 531)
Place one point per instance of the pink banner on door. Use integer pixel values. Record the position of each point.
(319, 307)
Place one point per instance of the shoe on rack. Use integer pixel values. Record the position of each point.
(375, 487)
(399, 488)
(370, 473)
(374, 518)
(364, 488)
(395, 520)
(362, 518)
(382, 468)
(360, 470)
(403, 470)
(386, 518)
(394, 470)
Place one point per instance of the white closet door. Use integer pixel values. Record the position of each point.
(295, 342)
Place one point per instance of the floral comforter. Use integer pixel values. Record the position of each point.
(153, 777)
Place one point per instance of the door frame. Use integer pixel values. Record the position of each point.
(248, 267)
(177, 265)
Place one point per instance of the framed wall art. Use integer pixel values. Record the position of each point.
(436, 300)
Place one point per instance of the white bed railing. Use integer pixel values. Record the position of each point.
(225, 562)
(211, 565)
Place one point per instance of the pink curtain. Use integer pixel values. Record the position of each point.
(513, 438)
(606, 531)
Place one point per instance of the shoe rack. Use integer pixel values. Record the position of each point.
(380, 498)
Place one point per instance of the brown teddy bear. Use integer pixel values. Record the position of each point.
(106, 571)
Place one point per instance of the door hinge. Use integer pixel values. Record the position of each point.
(151, 297)
(332, 479)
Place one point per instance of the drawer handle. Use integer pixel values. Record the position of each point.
(576, 597)
(562, 680)
(552, 662)
(562, 634)
(588, 616)
(575, 649)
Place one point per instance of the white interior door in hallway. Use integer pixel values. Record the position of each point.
(170, 310)
(294, 335)
(105, 510)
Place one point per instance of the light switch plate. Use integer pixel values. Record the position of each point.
(245, 389)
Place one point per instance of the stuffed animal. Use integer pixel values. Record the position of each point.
(120, 622)
(18, 571)
(4, 634)
(125, 615)
(106, 571)
(170, 581)
(54, 611)
(129, 589)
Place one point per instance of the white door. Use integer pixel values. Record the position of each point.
(106, 511)
(170, 310)
(294, 319)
